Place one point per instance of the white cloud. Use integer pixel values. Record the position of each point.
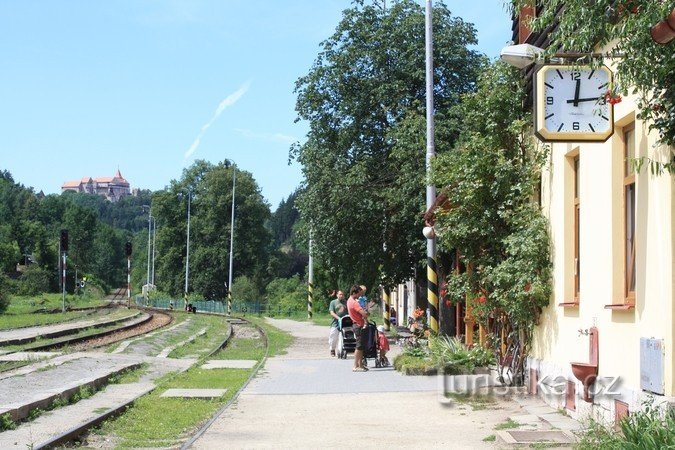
(227, 102)
(275, 137)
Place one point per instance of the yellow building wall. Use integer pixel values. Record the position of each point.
(557, 339)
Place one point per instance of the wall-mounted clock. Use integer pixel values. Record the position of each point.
(570, 104)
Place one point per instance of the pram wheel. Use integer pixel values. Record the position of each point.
(365, 362)
(377, 364)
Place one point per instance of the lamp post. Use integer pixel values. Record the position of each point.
(187, 252)
(432, 277)
(229, 290)
(154, 237)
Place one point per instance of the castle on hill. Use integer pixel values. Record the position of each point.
(112, 188)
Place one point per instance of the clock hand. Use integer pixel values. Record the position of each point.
(588, 99)
(576, 93)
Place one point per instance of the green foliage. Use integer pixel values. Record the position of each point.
(490, 179)
(363, 162)
(245, 289)
(6, 422)
(649, 428)
(210, 209)
(451, 354)
(4, 293)
(34, 281)
(286, 293)
(444, 353)
(646, 69)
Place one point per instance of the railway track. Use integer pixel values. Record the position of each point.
(118, 295)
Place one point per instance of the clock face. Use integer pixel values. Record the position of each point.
(571, 105)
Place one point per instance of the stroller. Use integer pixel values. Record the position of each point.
(372, 345)
(346, 340)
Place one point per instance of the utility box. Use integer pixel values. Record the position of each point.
(651, 365)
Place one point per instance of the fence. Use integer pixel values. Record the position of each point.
(220, 307)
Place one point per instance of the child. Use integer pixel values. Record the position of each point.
(384, 346)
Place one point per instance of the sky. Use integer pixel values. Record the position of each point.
(149, 86)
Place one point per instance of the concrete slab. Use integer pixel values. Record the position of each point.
(525, 419)
(513, 437)
(52, 424)
(557, 420)
(230, 364)
(194, 393)
(165, 353)
(540, 409)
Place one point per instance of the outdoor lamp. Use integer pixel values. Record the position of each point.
(521, 55)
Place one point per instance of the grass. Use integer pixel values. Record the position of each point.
(154, 421)
(477, 402)
(84, 332)
(32, 311)
(217, 330)
(508, 425)
(490, 438)
(278, 340)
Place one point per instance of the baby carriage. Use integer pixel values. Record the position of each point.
(372, 345)
(346, 340)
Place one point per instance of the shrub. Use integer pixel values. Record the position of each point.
(4, 293)
(650, 428)
(244, 289)
(34, 281)
(287, 293)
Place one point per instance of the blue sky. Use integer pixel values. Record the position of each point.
(151, 85)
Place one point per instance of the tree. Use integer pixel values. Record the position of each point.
(363, 161)
(210, 187)
(490, 180)
(646, 68)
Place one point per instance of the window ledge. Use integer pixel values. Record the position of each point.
(569, 304)
(620, 306)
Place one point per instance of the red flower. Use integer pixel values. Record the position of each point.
(482, 300)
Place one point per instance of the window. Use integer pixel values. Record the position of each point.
(577, 265)
(629, 213)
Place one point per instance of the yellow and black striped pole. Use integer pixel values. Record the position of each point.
(432, 292)
(310, 282)
(385, 307)
(432, 277)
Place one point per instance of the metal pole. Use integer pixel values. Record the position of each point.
(310, 281)
(229, 282)
(154, 236)
(385, 307)
(432, 277)
(128, 282)
(147, 278)
(63, 281)
(187, 252)
(58, 273)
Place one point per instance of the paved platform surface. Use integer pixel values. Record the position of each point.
(306, 399)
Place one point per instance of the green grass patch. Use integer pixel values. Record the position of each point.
(508, 425)
(249, 348)
(129, 376)
(477, 402)
(278, 340)
(414, 365)
(490, 438)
